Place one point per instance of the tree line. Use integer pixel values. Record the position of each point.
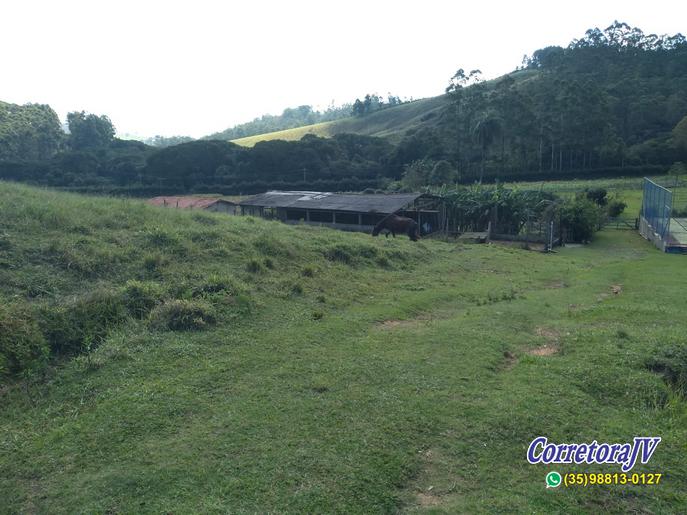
(611, 103)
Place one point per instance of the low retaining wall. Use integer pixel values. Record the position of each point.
(648, 232)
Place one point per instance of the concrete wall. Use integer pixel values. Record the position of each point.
(648, 232)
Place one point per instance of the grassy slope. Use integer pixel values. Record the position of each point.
(312, 402)
(391, 123)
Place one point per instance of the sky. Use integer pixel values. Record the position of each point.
(199, 66)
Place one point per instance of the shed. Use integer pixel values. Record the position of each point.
(207, 203)
(347, 211)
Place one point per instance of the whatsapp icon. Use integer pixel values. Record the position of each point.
(553, 480)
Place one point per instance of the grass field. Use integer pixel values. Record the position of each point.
(343, 374)
(391, 123)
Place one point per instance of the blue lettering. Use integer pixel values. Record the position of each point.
(602, 453)
(581, 453)
(532, 457)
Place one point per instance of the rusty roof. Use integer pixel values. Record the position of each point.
(187, 202)
(354, 202)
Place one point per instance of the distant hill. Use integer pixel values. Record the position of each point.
(613, 103)
(290, 118)
(390, 123)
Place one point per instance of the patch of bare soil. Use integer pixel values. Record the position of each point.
(556, 284)
(427, 499)
(551, 346)
(544, 350)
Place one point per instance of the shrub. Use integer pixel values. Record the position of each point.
(23, 350)
(615, 208)
(141, 297)
(182, 315)
(308, 271)
(597, 195)
(74, 327)
(580, 218)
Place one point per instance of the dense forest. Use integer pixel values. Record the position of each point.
(611, 103)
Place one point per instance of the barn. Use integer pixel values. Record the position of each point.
(215, 204)
(345, 211)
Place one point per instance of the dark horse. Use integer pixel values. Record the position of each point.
(398, 224)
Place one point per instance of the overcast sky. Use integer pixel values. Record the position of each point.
(198, 66)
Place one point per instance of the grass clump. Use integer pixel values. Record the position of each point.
(254, 266)
(23, 348)
(72, 328)
(351, 253)
(182, 315)
(219, 284)
(671, 362)
(140, 297)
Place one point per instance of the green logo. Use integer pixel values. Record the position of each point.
(553, 480)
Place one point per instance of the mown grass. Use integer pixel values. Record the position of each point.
(391, 123)
(318, 129)
(358, 375)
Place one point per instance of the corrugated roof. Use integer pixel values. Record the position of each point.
(359, 203)
(187, 202)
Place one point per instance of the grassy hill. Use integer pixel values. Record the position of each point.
(391, 123)
(251, 366)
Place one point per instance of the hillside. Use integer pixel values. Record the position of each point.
(611, 104)
(202, 362)
(391, 123)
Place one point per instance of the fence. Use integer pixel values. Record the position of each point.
(657, 208)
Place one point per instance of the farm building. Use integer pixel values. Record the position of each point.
(207, 203)
(346, 211)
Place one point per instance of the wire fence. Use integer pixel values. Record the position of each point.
(657, 207)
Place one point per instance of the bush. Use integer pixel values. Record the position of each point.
(615, 208)
(23, 350)
(141, 297)
(580, 218)
(72, 328)
(182, 315)
(597, 195)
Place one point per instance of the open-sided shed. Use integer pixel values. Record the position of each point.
(347, 211)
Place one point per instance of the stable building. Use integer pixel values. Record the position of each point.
(214, 204)
(345, 211)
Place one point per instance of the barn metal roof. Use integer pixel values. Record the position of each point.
(187, 202)
(358, 203)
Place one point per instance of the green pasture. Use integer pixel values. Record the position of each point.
(350, 375)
